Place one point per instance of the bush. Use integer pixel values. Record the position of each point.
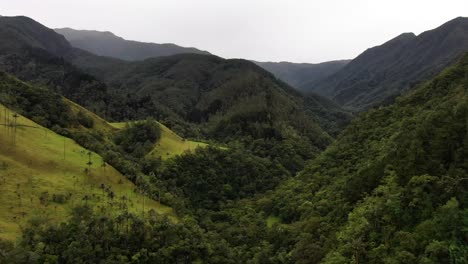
(139, 137)
(85, 120)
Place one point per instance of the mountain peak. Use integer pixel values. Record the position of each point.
(402, 38)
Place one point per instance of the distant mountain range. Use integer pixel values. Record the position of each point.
(381, 73)
(301, 75)
(107, 44)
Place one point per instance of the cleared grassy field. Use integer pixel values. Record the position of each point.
(170, 143)
(44, 174)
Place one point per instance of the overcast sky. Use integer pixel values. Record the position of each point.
(265, 30)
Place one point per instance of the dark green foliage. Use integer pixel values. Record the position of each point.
(84, 120)
(41, 68)
(125, 238)
(210, 177)
(16, 255)
(224, 100)
(393, 188)
(138, 138)
(44, 107)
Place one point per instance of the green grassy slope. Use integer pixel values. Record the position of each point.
(170, 143)
(40, 163)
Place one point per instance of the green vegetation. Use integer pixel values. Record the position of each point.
(90, 237)
(169, 145)
(43, 173)
(380, 74)
(200, 96)
(210, 177)
(271, 220)
(138, 138)
(392, 187)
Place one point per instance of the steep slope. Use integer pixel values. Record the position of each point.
(43, 173)
(393, 187)
(381, 73)
(35, 53)
(110, 45)
(19, 32)
(302, 75)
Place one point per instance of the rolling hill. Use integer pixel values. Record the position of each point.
(299, 75)
(381, 73)
(110, 45)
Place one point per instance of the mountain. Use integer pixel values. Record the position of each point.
(300, 74)
(107, 44)
(34, 53)
(198, 96)
(397, 173)
(381, 73)
(19, 32)
(197, 87)
(224, 100)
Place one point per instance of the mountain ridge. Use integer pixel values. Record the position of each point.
(385, 71)
(106, 43)
(299, 75)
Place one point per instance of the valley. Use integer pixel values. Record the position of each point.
(118, 151)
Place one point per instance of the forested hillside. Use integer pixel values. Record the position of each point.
(392, 188)
(381, 73)
(43, 173)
